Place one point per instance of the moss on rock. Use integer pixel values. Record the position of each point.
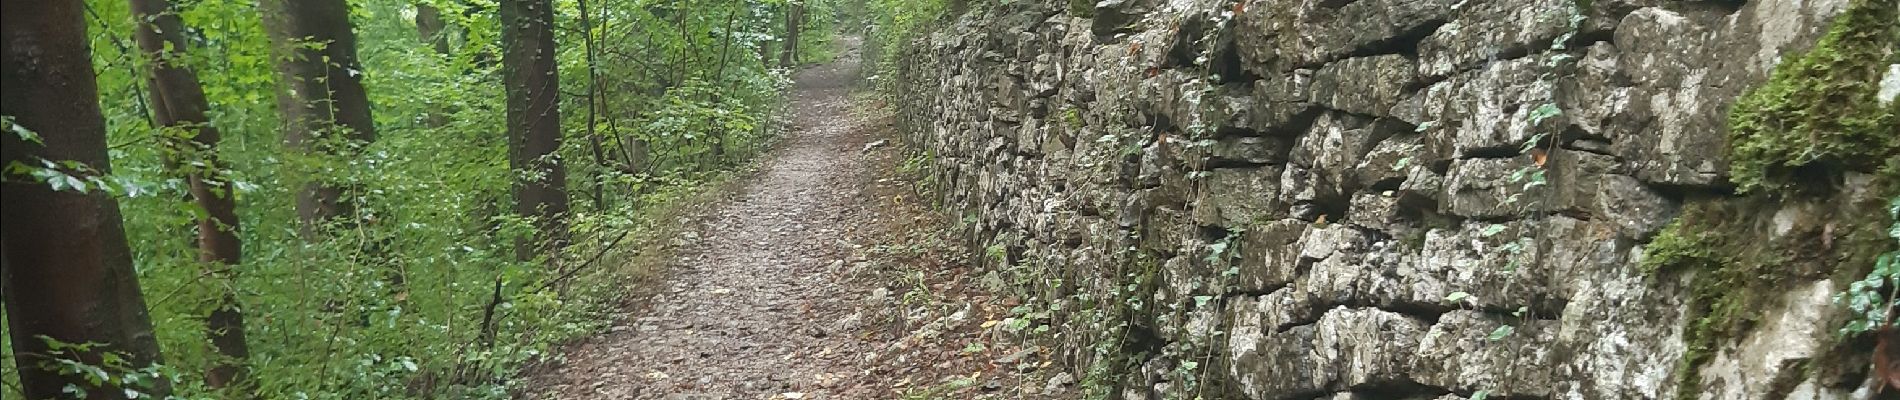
(1816, 118)
(1819, 112)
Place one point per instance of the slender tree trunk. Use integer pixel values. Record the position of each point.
(320, 94)
(765, 53)
(178, 104)
(534, 122)
(719, 81)
(430, 27)
(68, 272)
(593, 108)
(794, 21)
(765, 46)
(433, 31)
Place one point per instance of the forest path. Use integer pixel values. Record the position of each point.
(757, 305)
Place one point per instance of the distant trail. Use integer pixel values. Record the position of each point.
(755, 307)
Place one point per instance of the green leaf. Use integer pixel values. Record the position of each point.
(21, 131)
(1543, 112)
(1492, 230)
(1480, 395)
(1454, 297)
(1500, 333)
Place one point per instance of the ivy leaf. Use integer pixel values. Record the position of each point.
(1500, 333)
(1455, 297)
(1543, 112)
(25, 134)
(1492, 230)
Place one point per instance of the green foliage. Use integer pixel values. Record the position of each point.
(1731, 253)
(894, 23)
(391, 307)
(1873, 298)
(1714, 242)
(1815, 118)
(1818, 112)
(114, 371)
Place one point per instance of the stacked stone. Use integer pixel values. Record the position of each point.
(1348, 199)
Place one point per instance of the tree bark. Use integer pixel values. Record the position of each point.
(179, 105)
(68, 273)
(430, 27)
(320, 95)
(794, 21)
(593, 109)
(534, 122)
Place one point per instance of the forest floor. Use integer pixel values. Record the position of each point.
(821, 277)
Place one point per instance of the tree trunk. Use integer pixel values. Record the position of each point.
(794, 21)
(593, 109)
(178, 104)
(534, 121)
(68, 272)
(320, 95)
(430, 27)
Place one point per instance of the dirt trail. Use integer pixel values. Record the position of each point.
(754, 306)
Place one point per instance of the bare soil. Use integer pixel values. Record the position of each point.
(821, 278)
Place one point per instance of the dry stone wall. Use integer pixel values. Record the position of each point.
(1382, 199)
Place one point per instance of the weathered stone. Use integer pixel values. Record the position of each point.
(1389, 162)
(1499, 265)
(1421, 184)
(1778, 352)
(1280, 35)
(1462, 350)
(1375, 157)
(1363, 85)
(1239, 196)
(1345, 348)
(1490, 111)
(1320, 172)
(1248, 151)
(1486, 31)
(1492, 188)
(1375, 211)
(1269, 255)
(1636, 208)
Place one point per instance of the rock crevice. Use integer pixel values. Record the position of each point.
(1324, 199)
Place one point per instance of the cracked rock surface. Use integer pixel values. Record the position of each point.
(1382, 199)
